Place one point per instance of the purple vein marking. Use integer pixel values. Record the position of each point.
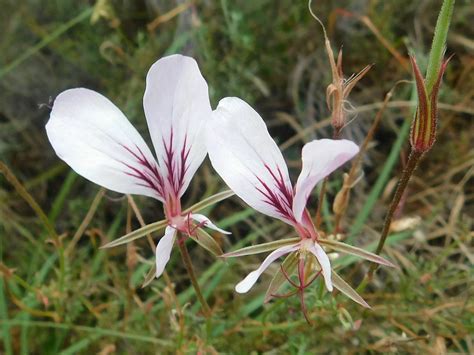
(176, 164)
(149, 175)
(282, 198)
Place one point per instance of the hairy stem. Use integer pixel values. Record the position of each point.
(189, 268)
(412, 163)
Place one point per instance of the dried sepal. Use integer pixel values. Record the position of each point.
(353, 80)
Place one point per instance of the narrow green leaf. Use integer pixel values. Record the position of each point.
(344, 287)
(209, 201)
(58, 32)
(58, 204)
(205, 240)
(261, 248)
(136, 234)
(349, 249)
(289, 264)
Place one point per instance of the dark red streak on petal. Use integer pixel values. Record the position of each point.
(280, 199)
(149, 176)
(176, 164)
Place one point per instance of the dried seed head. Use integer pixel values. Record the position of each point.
(338, 91)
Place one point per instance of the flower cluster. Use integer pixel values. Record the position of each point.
(94, 137)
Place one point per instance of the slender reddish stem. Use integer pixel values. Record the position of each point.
(189, 268)
(412, 163)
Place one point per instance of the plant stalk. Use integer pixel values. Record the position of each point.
(189, 268)
(412, 163)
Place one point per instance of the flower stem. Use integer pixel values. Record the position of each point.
(434, 64)
(189, 268)
(412, 163)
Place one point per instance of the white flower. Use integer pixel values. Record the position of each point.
(250, 162)
(95, 138)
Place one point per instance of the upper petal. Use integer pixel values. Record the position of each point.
(94, 137)
(176, 104)
(320, 158)
(248, 159)
(246, 284)
(163, 250)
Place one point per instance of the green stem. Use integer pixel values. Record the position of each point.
(439, 43)
(189, 268)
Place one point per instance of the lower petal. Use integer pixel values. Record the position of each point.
(206, 222)
(163, 250)
(324, 263)
(246, 284)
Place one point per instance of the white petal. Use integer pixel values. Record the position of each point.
(248, 159)
(94, 137)
(163, 250)
(323, 262)
(320, 158)
(246, 284)
(200, 218)
(176, 104)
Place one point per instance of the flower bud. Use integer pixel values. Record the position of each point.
(423, 129)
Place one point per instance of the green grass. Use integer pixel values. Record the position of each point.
(271, 54)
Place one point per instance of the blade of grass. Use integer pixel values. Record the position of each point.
(380, 183)
(94, 330)
(58, 202)
(45, 41)
(80, 345)
(7, 341)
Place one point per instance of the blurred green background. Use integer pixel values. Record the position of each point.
(270, 53)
